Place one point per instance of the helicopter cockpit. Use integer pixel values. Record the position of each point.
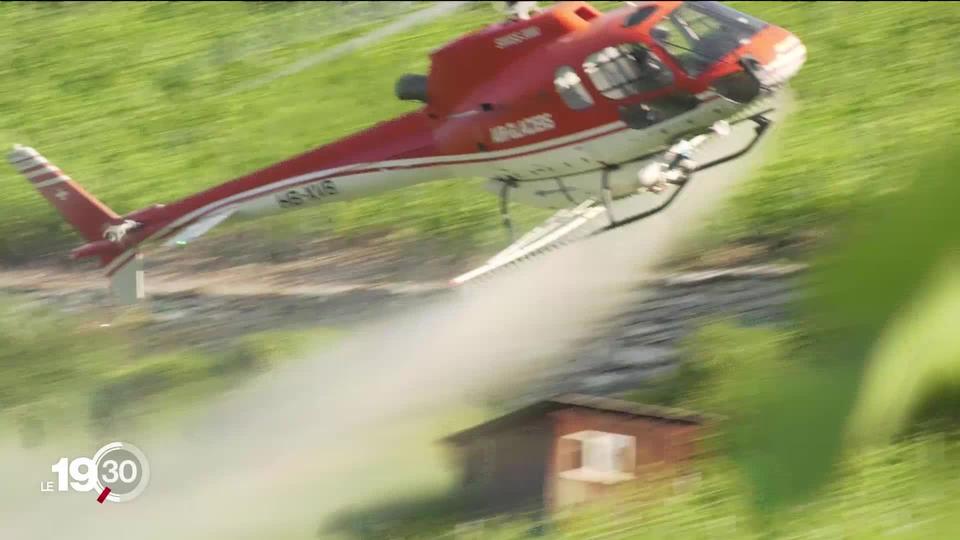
(699, 34)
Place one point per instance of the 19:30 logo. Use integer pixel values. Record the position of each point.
(118, 472)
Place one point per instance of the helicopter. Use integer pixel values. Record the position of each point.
(565, 108)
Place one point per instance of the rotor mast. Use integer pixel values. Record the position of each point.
(519, 11)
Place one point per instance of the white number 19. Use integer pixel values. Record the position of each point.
(85, 480)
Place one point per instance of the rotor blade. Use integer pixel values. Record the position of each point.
(404, 23)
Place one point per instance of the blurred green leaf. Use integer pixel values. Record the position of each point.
(876, 270)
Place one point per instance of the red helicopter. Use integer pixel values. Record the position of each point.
(567, 108)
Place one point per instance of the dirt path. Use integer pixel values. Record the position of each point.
(257, 281)
(217, 266)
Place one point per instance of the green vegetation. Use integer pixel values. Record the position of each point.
(874, 96)
(58, 373)
(132, 101)
(721, 364)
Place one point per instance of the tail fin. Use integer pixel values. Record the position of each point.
(88, 216)
(83, 211)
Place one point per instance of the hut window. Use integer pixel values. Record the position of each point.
(597, 455)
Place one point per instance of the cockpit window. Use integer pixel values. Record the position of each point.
(626, 70)
(638, 16)
(698, 34)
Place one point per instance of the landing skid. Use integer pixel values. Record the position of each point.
(567, 225)
(763, 124)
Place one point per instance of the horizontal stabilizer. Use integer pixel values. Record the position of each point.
(199, 228)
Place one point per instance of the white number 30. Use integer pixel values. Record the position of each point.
(126, 471)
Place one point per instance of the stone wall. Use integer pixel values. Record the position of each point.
(643, 340)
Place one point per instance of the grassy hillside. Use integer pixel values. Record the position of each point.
(902, 491)
(65, 375)
(132, 101)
